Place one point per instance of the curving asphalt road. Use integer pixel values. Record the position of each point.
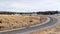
(53, 21)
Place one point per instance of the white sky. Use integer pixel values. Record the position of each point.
(29, 5)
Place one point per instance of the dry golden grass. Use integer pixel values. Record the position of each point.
(18, 21)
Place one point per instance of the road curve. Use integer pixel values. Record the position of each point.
(53, 21)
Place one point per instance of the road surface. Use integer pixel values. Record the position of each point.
(53, 21)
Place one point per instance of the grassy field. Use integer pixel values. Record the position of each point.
(18, 21)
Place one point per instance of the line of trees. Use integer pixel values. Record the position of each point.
(40, 12)
(48, 12)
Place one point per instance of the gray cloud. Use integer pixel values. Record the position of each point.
(29, 5)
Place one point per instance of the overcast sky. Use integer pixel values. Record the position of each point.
(29, 5)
